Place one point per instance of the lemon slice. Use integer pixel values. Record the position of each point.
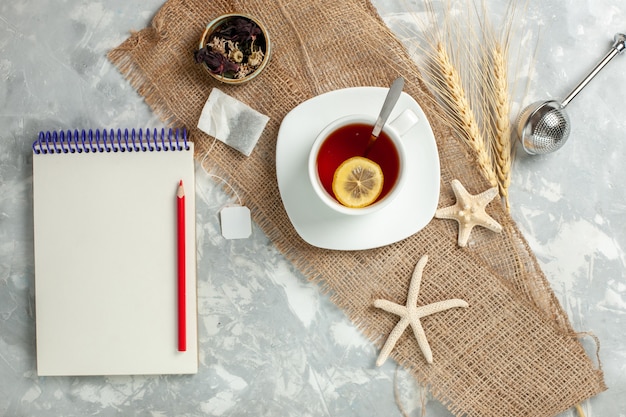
(358, 182)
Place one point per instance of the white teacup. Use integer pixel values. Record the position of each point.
(395, 130)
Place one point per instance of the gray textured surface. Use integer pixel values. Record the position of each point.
(271, 343)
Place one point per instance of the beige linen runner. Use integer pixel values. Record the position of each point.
(512, 352)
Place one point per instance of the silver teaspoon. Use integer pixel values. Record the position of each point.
(390, 101)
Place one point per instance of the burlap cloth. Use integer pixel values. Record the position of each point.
(513, 351)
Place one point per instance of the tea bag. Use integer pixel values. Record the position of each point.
(232, 122)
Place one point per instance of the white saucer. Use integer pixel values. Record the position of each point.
(319, 225)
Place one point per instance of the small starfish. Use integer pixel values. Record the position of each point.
(411, 314)
(469, 211)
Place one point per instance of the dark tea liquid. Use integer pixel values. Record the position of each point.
(351, 140)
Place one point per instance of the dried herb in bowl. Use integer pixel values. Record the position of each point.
(233, 48)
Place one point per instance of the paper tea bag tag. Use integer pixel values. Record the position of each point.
(236, 222)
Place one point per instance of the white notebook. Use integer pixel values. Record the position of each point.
(106, 261)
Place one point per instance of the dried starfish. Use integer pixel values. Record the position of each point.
(469, 211)
(411, 314)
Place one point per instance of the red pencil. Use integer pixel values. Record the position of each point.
(182, 305)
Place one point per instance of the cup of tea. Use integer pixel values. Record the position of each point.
(346, 138)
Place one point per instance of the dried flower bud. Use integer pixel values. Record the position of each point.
(236, 55)
(218, 44)
(255, 58)
(216, 62)
(239, 29)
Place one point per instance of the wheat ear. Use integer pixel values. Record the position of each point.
(453, 95)
(500, 111)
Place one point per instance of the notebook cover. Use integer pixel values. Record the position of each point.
(106, 264)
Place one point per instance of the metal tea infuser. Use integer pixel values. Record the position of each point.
(544, 126)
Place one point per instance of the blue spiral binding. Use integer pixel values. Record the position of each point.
(98, 141)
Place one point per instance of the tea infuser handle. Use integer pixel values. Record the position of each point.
(619, 43)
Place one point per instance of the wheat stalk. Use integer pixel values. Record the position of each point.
(467, 70)
(500, 126)
(452, 93)
(495, 56)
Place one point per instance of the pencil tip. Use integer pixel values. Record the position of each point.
(180, 183)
